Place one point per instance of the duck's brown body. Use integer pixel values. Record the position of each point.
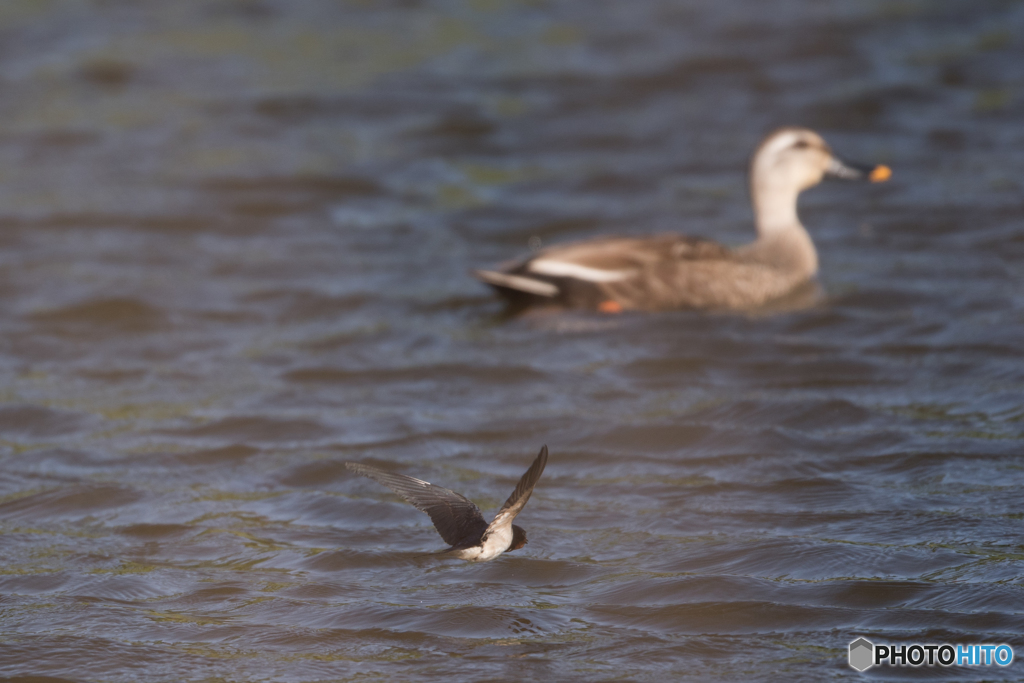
(657, 273)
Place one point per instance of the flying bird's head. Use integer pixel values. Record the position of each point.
(518, 538)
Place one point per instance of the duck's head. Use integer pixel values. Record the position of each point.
(791, 160)
(799, 158)
(518, 538)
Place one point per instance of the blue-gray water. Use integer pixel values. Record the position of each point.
(234, 250)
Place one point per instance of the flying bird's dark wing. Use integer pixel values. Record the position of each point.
(514, 505)
(454, 516)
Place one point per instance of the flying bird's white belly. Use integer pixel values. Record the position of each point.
(496, 542)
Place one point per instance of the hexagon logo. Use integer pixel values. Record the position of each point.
(862, 654)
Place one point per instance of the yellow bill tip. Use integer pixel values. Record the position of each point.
(880, 174)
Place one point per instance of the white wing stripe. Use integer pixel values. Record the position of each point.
(565, 269)
(523, 284)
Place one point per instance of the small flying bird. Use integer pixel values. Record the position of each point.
(457, 518)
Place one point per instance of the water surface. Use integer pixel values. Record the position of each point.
(234, 244)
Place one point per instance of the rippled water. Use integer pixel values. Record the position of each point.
(234, 250)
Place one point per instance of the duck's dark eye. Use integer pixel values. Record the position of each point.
(801, 144)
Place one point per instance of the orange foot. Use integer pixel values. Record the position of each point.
(610, 306)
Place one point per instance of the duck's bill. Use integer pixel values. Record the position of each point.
(848, 171)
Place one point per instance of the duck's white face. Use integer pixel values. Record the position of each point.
(789, 161)
(795, 158)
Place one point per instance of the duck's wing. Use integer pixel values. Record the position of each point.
(454, 516)
(515, 503)
(612, 259)
(582, 274)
